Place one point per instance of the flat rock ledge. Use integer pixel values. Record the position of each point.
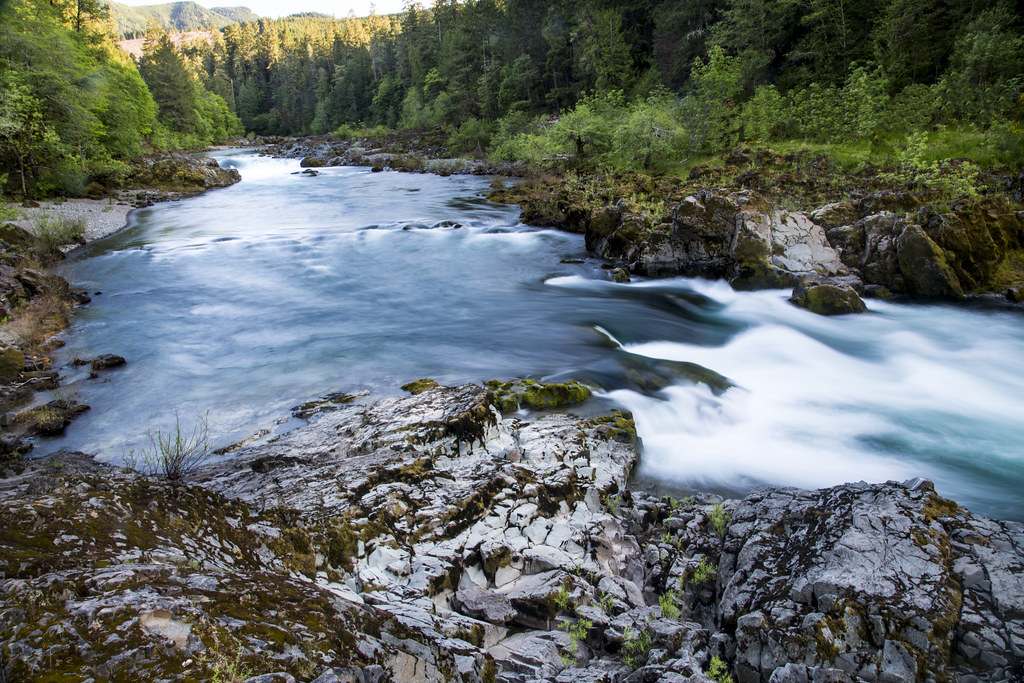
(431, 538)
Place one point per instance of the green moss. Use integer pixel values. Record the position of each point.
(342, 545)
(937, 506)
(420, 386)
(12, 361)
(621, 426)
(826, 650)
(525, 393)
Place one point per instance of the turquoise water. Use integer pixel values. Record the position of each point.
(249, 300)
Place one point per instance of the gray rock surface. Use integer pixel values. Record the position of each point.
(430, 538)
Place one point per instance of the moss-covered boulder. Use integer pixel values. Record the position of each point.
(528, 393)
(420, 385)
(923, 263)
(12, 362)
(827, 298)
(180, 172)
(49, 419)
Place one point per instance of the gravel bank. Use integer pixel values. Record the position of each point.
(101, 217)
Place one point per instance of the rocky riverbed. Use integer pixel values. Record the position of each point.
(434, 537)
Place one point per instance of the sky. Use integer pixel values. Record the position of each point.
(275, 9)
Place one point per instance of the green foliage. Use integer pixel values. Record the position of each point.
(953, 179)
(473, 135)
(718, 518)
(635, 647)
(71, 106)
(563, 600)
(705, 572)
(718, 671)
(611, 503)
(190, 116)
(714, 84)
(760, 116)
(54, 231)
(577, 631)
(669, 605)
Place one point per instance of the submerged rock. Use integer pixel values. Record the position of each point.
(827, 297)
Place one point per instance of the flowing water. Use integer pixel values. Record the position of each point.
(247, 301)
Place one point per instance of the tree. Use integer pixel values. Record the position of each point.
(713, 84)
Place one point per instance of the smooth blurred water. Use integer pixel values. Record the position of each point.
(249, 300)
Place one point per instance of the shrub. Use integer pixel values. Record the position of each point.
(705, 572)
(718, 671)
(176, 453)
(718, 518)
(952, 179)
(635, 647)
(53, 232)
(669, 608)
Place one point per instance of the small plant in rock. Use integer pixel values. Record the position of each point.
(229, 670)
(577, 633)
(606, 601)
(718, 518)
(563, 600)
(718, 671)
(177, 452)
(610, 502)
(669, 605)
(635, 647)
(705, 572)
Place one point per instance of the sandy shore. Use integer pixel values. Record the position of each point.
(101, 217)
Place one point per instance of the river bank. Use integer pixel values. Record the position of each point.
(37, 301)
(435, 537)
(447, 536)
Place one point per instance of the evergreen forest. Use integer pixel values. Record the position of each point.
(642, 86)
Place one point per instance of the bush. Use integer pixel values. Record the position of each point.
(176, 453)
(471, 136)
(53, 232)
(718, 672)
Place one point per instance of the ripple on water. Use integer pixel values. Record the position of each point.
(248, 300)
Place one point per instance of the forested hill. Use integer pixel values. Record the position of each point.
(651, 86)
(715, 71)
(175, 16)
(75, 110)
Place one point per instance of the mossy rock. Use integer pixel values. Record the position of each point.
(828, 299)
(526, 393)
(618, 426)
(420, 386)
(16, 238)
(49, 419)
(12, 362)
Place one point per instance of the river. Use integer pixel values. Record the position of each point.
(244, 302)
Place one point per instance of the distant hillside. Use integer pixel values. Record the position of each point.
(175, 16)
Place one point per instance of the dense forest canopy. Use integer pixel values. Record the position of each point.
(483, 58)
(626, 83)
(74, 108)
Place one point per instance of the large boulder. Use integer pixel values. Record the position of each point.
(740, 237)
(827, 297)
(880, 582)
(923, 253)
